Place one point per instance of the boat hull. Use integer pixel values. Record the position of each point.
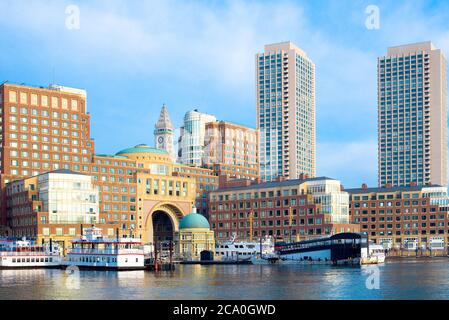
(262, 261)
(373, 260)
(106, 268)
(29, 262)
(3, 267)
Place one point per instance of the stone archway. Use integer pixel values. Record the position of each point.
(162, 222)
(162, 227)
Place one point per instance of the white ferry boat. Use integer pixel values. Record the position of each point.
(23, 254)
(93, 251)
(233, 250)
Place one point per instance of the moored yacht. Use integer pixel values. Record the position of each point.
(93, 251)
(24, 254)
(233, 250)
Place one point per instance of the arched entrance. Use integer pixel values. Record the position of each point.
(162, 227)
(162, 223)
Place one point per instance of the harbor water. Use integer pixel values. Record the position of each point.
(402, 278)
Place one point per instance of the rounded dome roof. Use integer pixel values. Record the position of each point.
(194, 221)
(141, 148)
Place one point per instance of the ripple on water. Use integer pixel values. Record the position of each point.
(397, 279)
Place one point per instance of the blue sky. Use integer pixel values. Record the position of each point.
(132, 56)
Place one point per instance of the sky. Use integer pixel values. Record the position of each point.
(132, 56)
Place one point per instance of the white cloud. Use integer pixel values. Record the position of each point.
(156, 36)
(351, 162)
(213, 44)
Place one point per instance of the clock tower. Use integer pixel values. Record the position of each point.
(163, 132)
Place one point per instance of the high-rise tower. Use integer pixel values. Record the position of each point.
(163, 132)
(285, 100)
(191, 140)
(412, 116)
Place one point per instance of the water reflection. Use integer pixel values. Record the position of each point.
(401, 279)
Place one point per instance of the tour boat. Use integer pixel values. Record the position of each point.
(233, 250)
(338, 249)
(93, 251)
(22, 254)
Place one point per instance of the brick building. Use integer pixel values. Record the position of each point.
(293, 209)
(48, 129)
(395, 215)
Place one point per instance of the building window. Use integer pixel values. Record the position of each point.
(13, 96)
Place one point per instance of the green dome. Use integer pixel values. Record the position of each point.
(194, 221)
(141, 148)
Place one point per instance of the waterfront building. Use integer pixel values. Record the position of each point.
(194, 236)
(206, 180)
(53, 205)
(232, 150)
(162, 198)
(140, 191)
(191, 140)
(294, 209)
(396, 215)
(42, 129)
(285, 105)
(163, 133)
(412, 116)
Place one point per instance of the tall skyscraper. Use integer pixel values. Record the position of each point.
(163, 132)
(412, 116)
(285, 101)
(191, 140)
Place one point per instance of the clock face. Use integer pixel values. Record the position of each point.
(160, 139)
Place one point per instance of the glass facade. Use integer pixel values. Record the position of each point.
(192, 138)
(69, 198)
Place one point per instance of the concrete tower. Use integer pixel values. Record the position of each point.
(412, 116)
(163, 132)
(285, 86)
